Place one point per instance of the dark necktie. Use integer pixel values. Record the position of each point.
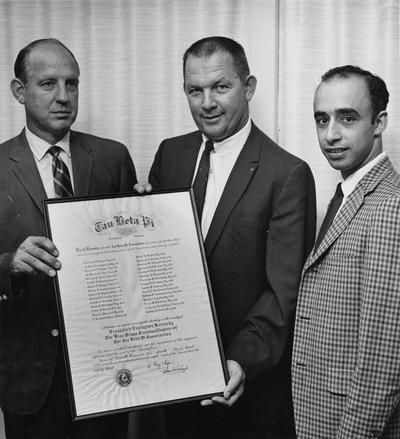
(200, 182)
(61, 177)
(330, 214)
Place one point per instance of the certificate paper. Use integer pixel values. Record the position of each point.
(134, 299)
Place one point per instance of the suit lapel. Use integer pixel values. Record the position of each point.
(82, 164)
(356, 199)
(26, 170)
(345, 215)
(188, 158)
(27, 173)
(241, 175)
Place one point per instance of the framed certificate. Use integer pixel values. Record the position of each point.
(135, 303)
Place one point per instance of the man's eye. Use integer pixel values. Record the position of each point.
(48, 85)
(321, 121)
(221, 87)
(194, 91)
(348, 119)
(72, 86)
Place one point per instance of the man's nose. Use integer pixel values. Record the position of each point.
(333, 133)
(61, 93)
(208, 100)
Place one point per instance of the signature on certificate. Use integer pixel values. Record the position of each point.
(166, 366)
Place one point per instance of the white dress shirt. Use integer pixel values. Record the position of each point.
(350, 183)
(44, 160)
(222, 160)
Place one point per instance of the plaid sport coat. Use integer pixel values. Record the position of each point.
(346, 356)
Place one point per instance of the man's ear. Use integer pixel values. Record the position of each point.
(18, 90)
(251, 84)
(381, 121)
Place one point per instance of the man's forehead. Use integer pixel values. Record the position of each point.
(338, 93)
(219, 60)
(47, 55)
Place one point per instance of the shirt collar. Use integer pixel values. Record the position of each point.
(40, 147)
(232, 142)
(352, 180)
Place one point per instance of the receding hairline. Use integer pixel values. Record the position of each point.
(339, 77)
(22, 63)
(51, 43)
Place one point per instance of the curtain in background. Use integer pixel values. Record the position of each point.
(130, 55)
(315, 36)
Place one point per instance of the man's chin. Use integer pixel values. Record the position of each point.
(61, 125)
(214, 135)
(60, 130)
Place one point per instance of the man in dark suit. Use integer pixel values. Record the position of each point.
(33, 389)
(258, 221)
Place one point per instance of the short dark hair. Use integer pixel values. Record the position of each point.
(20, 66)
(378, 92)
(208, 46)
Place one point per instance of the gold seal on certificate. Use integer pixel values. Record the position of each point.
(135, 303)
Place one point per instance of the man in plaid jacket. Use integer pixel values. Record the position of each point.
(346, 358)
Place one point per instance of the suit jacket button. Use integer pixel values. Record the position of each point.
(54, 332)
(376, 433)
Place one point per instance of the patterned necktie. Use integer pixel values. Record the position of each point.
(330, 214)
(61, 177)
(200, 182)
